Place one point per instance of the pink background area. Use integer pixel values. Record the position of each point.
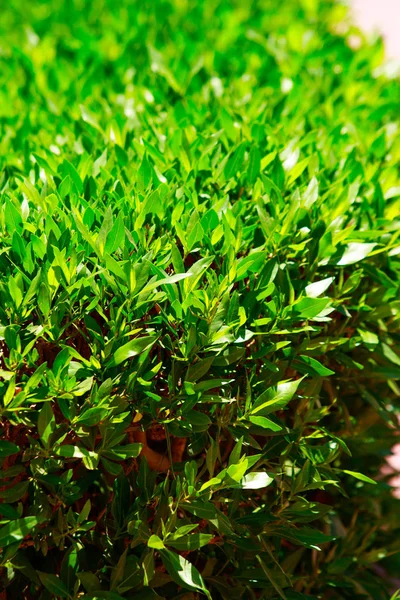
(382, 16)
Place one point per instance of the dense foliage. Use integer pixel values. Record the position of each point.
(199, 302)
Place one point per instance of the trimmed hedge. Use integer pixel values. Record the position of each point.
(199, 302)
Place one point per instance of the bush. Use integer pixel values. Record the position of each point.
(199, 302)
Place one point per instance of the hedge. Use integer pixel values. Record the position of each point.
(199, 302)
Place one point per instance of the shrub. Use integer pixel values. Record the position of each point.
(199, 302)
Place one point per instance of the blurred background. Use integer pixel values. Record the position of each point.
(380, 16)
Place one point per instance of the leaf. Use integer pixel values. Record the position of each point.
(181, 531)
(12, 217)
(189, 542)
(144, 173)
(155, 542)
(88, 117)
(272, 578)
(8, 512)
(53, 584)
(311, 366)
(235, 161)
(166, 281)
(265, 423)
(69, 568)
(44, 299)
(199, 421)
(133, 348)
(255, 481)
(68, 168)
(46, 423)
(20, 562)
(74, 451)
(236, 472)
(127, 451)
(254, 167)
(105, 230)
(17, 530)
(309, 308)
(92, 416)
(183, 572)
(101, 595)
(203, 510)
(355, 252)
(15, 492)
(118, 571)
(199, 369)
(275, 398)
(8, 448)
(84, 514)
(360, 476)
(304, 536)
(390, 354)
(116, 237)
(89, 581)
(195, 236)
(313, 290)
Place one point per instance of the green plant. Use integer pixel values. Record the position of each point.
(199, 302)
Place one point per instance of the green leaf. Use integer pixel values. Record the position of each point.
(44, 299)
(183, 572)
(7, 511)
(272, 578)
(46, 423)
(360, 476)
(68, 168)
(133, 348)
(69, 568)
(254, 167)
(118, 571)
(355, 252)
(199, 369)
(155, 542)
(275, 398)
(255, 481)
(89, 581)
(313, 290)
(12, 217)
(101, 595)
(8, 448)
(189, 542)
(53, 584)
(309, 308)
(84, 514)
(116, 237)
(195, 236)
(265, 423)
(203, 510)
(92, 416)
(165, 281)
(124, 452)
(15, 492)
(305, 536)
(235, 161)
(236, 472)
(311, 366)
(144, 173)
(15, 531)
